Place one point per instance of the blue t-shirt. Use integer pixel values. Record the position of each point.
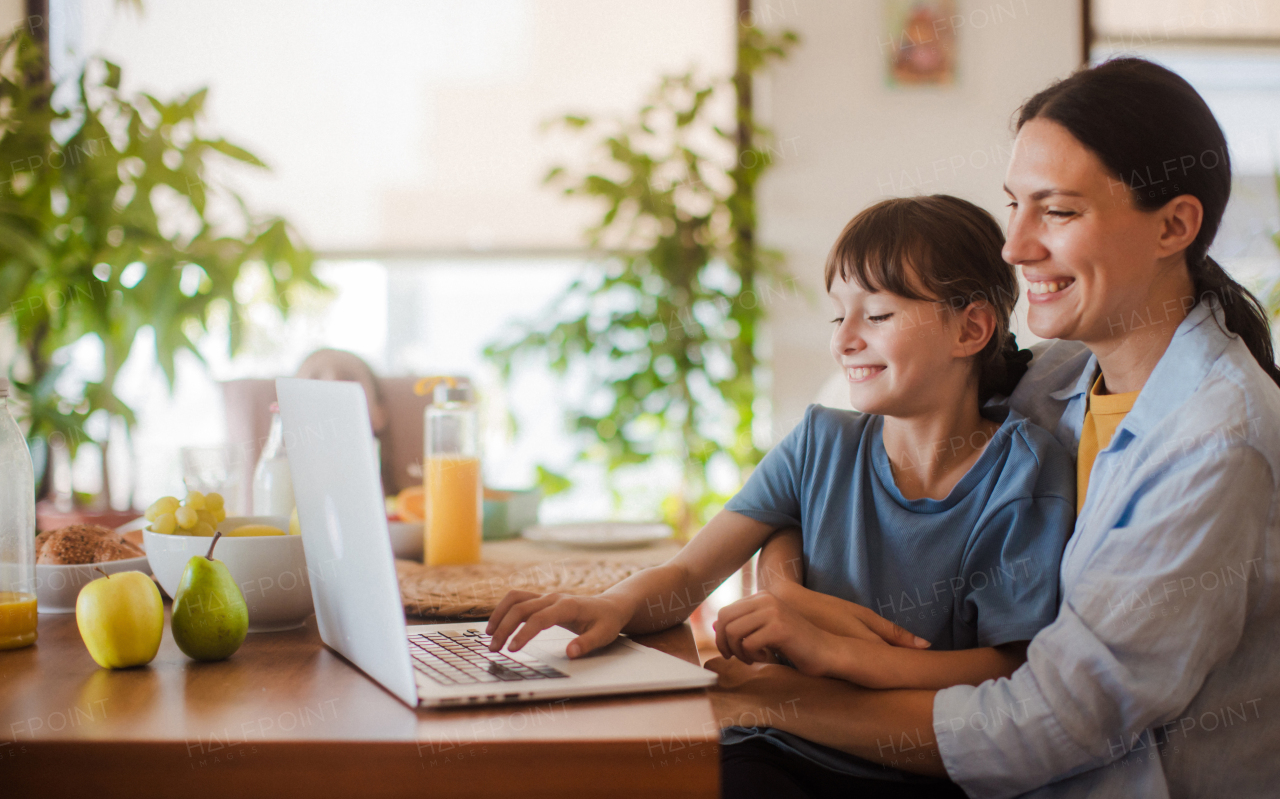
(977, 569)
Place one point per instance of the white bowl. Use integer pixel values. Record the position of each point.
(58, 586)
(271, 570)
(406, 539)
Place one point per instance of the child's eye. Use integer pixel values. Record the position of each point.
(837, 320)
(1012, 204)
(878, 319)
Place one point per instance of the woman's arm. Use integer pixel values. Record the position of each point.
(894, 728)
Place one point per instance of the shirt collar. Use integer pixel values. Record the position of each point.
(1190, 355)
(1082, 383)
(1196, 344)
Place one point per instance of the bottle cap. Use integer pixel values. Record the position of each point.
(461, 392)
(4, 387)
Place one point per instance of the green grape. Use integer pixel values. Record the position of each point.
(202, 529)
(161, 506)
(186, 518)
(164, 524)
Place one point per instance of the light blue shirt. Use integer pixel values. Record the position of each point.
(1160, 676)
(977, 568)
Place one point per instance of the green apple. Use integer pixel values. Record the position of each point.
(121, 619)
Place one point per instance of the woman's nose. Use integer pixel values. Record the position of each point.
(1022, 244)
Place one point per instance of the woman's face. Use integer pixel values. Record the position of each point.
(1089, 255)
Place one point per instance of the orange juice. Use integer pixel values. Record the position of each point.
(454, 519)
(17, 619)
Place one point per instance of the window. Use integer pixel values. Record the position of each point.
(406, 143)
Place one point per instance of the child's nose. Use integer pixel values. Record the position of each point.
(847, 339)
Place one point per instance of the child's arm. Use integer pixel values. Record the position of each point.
(781, 560)
(648, 601)
(750, 628)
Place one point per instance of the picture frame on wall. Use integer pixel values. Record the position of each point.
(921, 42)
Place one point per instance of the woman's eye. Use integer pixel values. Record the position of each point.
(1061, 214)
(1012, 204)
(837, 320)
(878, 319)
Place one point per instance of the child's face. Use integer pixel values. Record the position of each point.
(895, 352)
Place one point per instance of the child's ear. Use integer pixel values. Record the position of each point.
(976, 324)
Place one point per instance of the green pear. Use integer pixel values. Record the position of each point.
(210, 618)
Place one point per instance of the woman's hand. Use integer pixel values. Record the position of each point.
(596, 619)
(843, 618)
(752, 629)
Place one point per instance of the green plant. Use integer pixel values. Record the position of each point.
(668, 326)
(105, 229)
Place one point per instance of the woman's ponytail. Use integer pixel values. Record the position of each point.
(1242, 312)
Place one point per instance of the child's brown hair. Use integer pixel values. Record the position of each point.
(939, 249)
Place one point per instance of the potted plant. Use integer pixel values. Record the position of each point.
(106, 228)
(668, 326)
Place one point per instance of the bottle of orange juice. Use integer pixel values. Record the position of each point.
(451, 477)
(17, 533)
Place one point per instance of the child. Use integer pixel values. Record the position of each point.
(928, 509)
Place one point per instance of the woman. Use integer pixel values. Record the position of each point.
(1158, 675)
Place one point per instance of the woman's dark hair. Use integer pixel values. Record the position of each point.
(1153, 131)
(939, 249)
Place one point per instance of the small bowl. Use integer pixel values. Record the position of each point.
(406, 539)
(271, 570)
(58, 586)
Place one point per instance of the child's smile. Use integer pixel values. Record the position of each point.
(861, 374)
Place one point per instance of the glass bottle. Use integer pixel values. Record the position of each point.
(272, 484)
(451, 479)
(17, 533)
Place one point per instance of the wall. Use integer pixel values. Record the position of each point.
(12, 14)
(846, 139)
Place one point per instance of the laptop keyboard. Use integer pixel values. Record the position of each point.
(457, 657)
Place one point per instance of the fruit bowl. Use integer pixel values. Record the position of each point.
(270, 570)
(58, 586)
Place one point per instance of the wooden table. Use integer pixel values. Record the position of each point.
(286, 717)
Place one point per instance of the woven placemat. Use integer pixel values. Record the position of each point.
(472, 592)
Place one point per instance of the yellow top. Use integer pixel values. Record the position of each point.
(1103, 415)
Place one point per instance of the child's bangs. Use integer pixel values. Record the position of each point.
(881, 250)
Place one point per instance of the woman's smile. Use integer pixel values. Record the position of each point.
(1042, 290)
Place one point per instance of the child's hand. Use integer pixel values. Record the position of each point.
(843, 618)
(752, 628)
(597, 619)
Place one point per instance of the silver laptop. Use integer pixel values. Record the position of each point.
(357, 598)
